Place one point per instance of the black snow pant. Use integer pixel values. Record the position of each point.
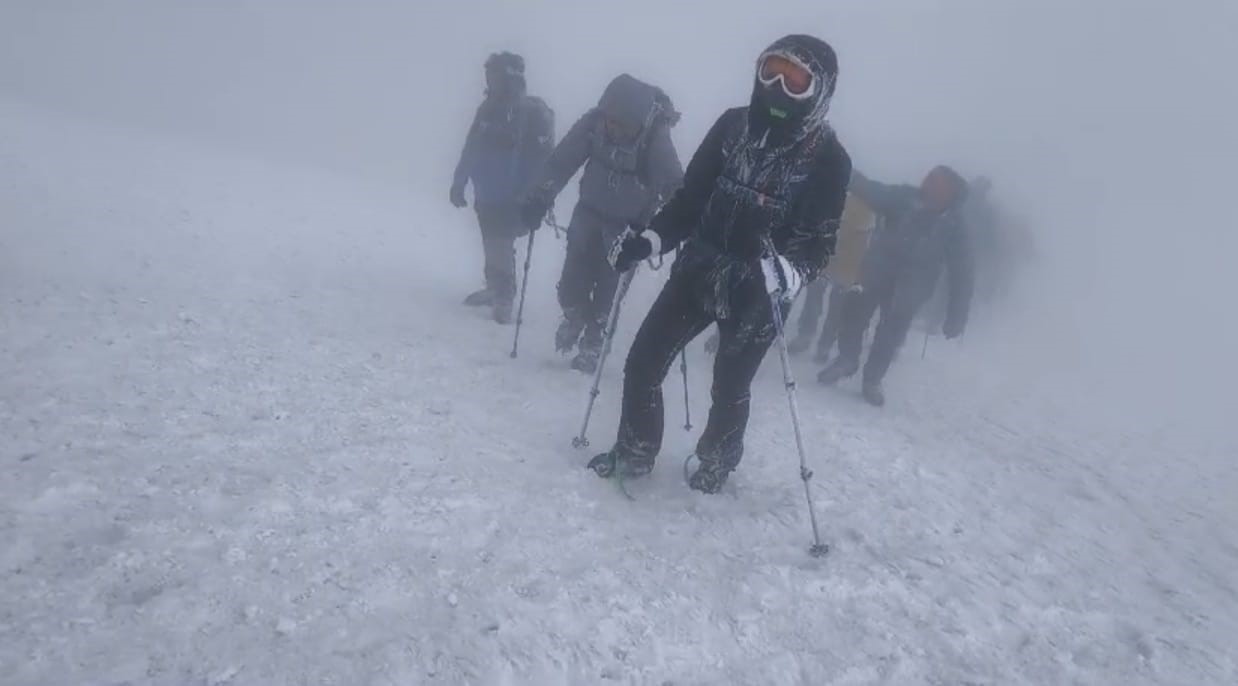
(898, 308)
(677, 316)
(587, 284)
(814, 302)
(500, 225)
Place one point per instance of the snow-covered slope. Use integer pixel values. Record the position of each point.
(248, 436)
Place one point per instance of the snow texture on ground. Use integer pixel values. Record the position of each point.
(249, 436)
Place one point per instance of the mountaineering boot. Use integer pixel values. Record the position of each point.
(603, 465)
(838, 370)
(799, 344)
(709, 477)
(874, 394)
(610, 463)
(586, 361)
(480, 298)
(503, 311)
(568, 334)
(590, 349)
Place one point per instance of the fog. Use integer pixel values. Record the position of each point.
(248, 434)
(1107, 125)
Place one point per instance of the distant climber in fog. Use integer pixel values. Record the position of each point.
(511, 137)
(921, 232)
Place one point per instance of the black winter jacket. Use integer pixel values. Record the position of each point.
(737, 194)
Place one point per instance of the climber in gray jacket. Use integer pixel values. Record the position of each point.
(630, 168)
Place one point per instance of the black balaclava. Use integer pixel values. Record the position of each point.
(505, 76)
(785, 119)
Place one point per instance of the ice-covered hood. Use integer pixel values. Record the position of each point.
(802, 117)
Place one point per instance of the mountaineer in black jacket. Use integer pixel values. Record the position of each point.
(757, 216)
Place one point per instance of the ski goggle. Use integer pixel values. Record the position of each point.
(795, 77)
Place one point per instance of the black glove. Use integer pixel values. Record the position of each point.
(532, 211)
(952, 329)
(457, 195)
(632, 246)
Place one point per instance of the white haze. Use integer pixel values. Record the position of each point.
(1108, 125)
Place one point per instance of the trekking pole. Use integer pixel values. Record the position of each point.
(560, 231)
(524, 286)
(924, 350)
(818, 548)
(687, 408)
(582, 441)
(683, 368)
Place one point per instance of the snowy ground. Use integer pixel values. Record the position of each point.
(248, 436)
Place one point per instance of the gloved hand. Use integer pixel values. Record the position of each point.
(632, 246)
(457, 195)
(781, 279)
(952, 329)
(533, 210)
